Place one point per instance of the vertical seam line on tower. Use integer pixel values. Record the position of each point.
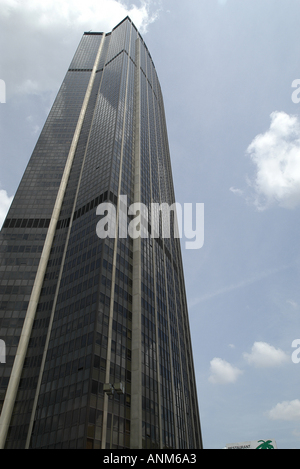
(111, 309)
(136, 404)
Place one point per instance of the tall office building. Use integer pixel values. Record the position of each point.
(98, 347)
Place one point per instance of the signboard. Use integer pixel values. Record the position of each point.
(258, 444)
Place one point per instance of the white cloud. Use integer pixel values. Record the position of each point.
(34, 127)
(5, 202)
(236, 191)
(51, 30)
(276, 154)
(223, 372)
(50, 13)
(293, 304)
(287, 410)
(264, 355)
(28, 87)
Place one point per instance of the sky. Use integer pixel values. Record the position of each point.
(230, 75)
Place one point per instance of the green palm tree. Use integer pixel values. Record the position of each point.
(265, 445)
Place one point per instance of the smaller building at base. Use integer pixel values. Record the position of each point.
(257, 444)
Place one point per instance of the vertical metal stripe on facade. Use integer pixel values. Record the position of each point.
(114, 265)
(136, 381)
(154, 149)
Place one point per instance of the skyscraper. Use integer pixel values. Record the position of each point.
(97, 342)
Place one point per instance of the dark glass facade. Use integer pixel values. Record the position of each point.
(108, 310)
